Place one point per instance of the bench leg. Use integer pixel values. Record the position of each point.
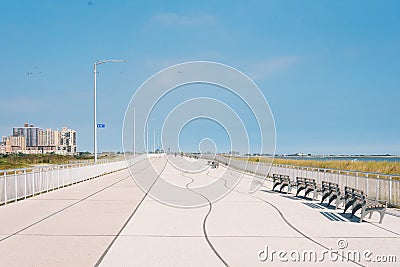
(282, 186)
(338, 202)
(315, 195)
(298, 191)
(308, 191)
(348, 205)
(331, 199)
(273, 187)
(363, 214)
(324, 196)
(382, 214)
(357, 207)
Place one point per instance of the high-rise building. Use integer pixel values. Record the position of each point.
(14, 144)
(67, 141)
(18, 142)
(48, 137)
(30, 132)
(33, 140)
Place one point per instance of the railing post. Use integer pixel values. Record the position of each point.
(58, 177)
(5, 188)
(377, 188)
(33, 182)
(357, 179)
(16, 185)
(25, 189)
(366, 186)
(390, 189)
(47, 182)
(40, 181)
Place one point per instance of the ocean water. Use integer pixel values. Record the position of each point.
(351, 158)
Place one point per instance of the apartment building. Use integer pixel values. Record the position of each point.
(30, 139)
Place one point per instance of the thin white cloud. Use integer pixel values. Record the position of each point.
(160, 63)
(174, 19)
(258, 70)
(266, 68)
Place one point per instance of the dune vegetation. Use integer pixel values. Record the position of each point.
(16, 161)
(384, 167)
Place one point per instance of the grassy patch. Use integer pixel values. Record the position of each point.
(384, 167)
(15, 161)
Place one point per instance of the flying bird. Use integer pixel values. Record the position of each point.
(36, 72)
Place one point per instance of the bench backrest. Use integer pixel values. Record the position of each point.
(306, 181)
(354, 193)
(276, 176)
(333, 186)
(301, 180)
(359, 196)
(280, 175)
(358, 192)
(285, 179)
(348, 191)
(310, 181)
(326, 185)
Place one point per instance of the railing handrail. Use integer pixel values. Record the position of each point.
(325, 169)
(59, 165)
(18, 184)
(341, 170)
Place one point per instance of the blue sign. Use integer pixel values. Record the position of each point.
(101, 125)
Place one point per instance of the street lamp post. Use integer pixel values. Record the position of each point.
(95, 102)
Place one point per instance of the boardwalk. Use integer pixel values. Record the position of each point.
(109, 221)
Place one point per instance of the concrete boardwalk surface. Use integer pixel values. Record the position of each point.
(109, 221)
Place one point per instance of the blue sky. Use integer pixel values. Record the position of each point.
(329, 69)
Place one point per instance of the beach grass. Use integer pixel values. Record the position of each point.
(384, 167)
(16, 161)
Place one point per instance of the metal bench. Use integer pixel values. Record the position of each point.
(286, 182)
(301, 184)
(330, 191)
(214, 164)
(367, 206)
(324, 190)
(339, 196)
(277, 180)
(308, 185)
(350, 197)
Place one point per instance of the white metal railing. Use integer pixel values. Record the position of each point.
(19, 184)
(375, 185)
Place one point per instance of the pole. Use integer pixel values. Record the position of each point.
(154, 141)
(147, 137)
(134, 137)
(95, 103)
(95, 117)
